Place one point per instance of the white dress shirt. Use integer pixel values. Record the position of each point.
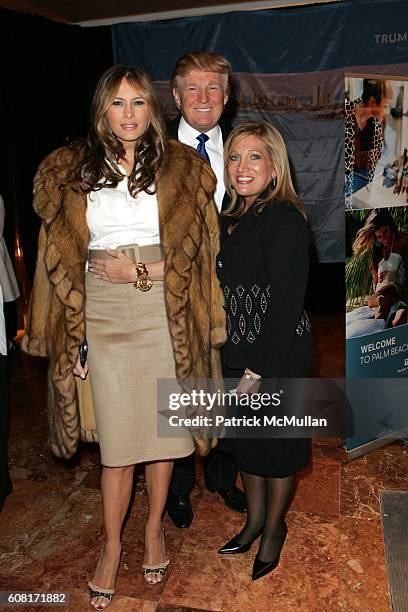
(215, 150)
(115, 218)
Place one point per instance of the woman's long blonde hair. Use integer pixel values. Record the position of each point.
(283, 189)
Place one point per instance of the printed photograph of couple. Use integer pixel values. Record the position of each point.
(376, 270)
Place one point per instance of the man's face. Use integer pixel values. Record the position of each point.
(200, 97)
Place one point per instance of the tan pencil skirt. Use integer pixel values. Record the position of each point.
(129, 350)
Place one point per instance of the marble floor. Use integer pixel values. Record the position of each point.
(333, 559)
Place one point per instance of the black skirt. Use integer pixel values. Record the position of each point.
(271, 457)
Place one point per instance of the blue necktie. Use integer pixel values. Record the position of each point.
(202, 139)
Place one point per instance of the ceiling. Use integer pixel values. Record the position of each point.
(106, 12)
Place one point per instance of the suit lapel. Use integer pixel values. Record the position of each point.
(225, 130)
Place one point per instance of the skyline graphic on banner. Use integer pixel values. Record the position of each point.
(320, 93)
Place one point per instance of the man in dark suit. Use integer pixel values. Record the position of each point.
(200, 85)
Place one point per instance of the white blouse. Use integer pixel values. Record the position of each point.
(115, 218)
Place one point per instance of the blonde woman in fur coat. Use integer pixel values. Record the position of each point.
(139, 211)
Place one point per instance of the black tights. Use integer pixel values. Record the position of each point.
(267, 501)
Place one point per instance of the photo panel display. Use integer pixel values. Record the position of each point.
(377, 292)
(376, 141)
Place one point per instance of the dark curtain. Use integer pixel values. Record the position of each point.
(49, 74)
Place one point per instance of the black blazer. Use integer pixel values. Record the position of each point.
(172, 128)
(263, 268)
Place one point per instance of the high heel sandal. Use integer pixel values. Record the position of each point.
(96, 591)
(262, 568)
(158, 569)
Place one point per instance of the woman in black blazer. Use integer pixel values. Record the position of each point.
(263, 268)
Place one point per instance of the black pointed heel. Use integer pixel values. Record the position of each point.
(233, 547)
(262, 568)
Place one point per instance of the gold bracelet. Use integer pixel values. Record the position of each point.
(143, 281)
(250, 375)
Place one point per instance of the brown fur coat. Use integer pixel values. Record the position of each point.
(189, 236)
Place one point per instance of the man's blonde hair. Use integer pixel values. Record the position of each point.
(205, 61)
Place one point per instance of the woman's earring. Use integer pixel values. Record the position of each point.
(274, 182)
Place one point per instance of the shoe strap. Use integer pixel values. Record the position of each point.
(96, 591)
(155, 569)
(157, 566)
